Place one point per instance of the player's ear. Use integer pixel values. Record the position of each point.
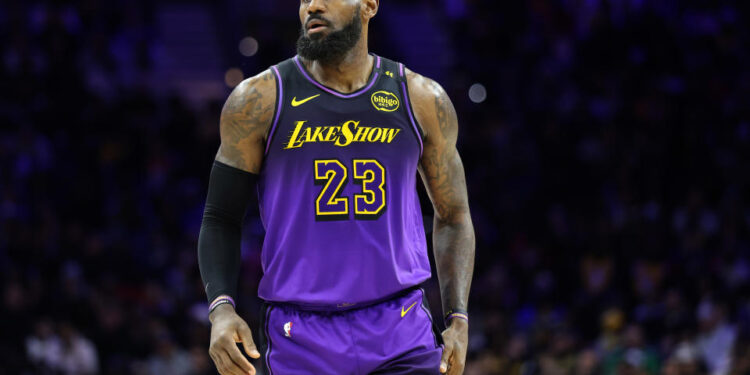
(370, 8)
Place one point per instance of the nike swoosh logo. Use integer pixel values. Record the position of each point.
(407, 310)
(296, 103)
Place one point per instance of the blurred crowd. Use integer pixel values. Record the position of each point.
(607, 173)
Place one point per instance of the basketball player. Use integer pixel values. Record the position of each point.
(331, 142)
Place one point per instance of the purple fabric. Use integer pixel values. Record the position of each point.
(411, 116)
(268, 350)
(333, 92)
(412, 119)
(362, 341)
(280, 100)
(335, 240)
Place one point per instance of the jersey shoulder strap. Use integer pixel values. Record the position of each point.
(397, 71)
(290, 74)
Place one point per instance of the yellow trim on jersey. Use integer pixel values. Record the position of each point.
(363, 176)
(329, 176)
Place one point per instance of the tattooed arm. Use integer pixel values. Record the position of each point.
(245, 122)
(453, 235)
(244, 126)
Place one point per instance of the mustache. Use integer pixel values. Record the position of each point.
(318, 17)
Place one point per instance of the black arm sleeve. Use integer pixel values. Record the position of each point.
(230, 190)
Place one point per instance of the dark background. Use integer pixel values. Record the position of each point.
(606, 154)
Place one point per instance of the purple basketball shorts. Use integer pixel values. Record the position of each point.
(397, 336)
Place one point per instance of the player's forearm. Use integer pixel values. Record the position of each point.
(229, 192)
(219, 255)
(453, 243)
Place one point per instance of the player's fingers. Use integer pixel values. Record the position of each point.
(220, 362)
(247, 341)
(218, 355)
(458, 360)
(447, 353)
(224, 363)
(456, 369)
(216, 361)
(239, 362)
(456, 364)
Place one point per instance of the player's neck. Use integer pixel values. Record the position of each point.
(347, 74)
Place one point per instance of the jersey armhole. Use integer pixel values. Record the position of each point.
(277, 108)
(413, 119)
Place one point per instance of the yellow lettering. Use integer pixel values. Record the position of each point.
(341, 136)
(294, 142)
(331, 131)
(388, 135)
(318, 134)
(308, 135)
(374, 134)
(346, 133)
(361, 134)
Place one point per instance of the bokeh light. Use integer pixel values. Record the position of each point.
(477, 93)
(233, 77)
(248, 46)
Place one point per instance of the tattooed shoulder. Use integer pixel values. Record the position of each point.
(245, 122)
(432, 107)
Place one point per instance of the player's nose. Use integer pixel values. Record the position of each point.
(316, 6)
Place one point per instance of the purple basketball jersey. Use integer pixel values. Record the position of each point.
(337, 191)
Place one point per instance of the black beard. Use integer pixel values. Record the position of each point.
(332, 47)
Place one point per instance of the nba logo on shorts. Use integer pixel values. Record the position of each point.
(288, 329)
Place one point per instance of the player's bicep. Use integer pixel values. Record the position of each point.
(443, 175)
(245, 120)
(440, 167)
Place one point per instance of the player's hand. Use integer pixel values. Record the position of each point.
(227, 329)
(456, 339)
